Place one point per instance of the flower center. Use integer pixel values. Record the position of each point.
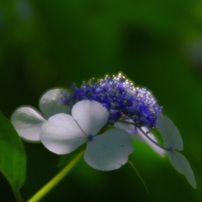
(90, 137)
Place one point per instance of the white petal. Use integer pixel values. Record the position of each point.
(90, 115)
(109, 150)
(181, 164)
(27, 122)
(169, 132)
(125, 126)
(52, 102)
(61, 134)
(139, 136)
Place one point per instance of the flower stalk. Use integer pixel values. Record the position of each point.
(52, 183)
(156, 143)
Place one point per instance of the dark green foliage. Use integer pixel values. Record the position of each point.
(47, 44)
(12, 153)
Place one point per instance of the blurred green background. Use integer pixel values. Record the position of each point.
(157, 44)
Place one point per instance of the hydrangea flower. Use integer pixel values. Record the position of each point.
(118, 95)
(28, 121)
(62, 134)
(133, 111)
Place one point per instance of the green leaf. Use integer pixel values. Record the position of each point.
(181, 164)
(170, 133)
(12, 154)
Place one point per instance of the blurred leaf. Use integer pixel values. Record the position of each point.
(12, 154)
(170, 133)
(181, 164)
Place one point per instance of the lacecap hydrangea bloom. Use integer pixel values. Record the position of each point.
(83, 114)
(118, 94)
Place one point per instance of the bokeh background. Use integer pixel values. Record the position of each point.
(157, 44)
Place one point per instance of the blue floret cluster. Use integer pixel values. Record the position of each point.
(121, 98)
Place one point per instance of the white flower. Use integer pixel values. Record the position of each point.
(139, 136)
(28, 121)
(63, 133)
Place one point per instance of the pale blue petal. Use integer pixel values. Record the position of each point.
(27, 122)
(52, 102)
(110, 150)
(181, 164)
(90, 115)
(61, 134)
(170, 133)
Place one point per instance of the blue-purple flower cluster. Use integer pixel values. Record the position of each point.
(121, 98)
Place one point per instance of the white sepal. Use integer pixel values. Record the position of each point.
(61, 134)
(170, 133)
(27, 122)
(181, 164)
(52, 102)
(110, 150)
(90, 115)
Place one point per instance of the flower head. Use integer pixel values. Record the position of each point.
(93, 107)
(63, 133)
(121, 98)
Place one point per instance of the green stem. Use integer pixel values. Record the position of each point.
(17, 194)
(139, 176)
(51, 184)
(156, 143)
(16, 191)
